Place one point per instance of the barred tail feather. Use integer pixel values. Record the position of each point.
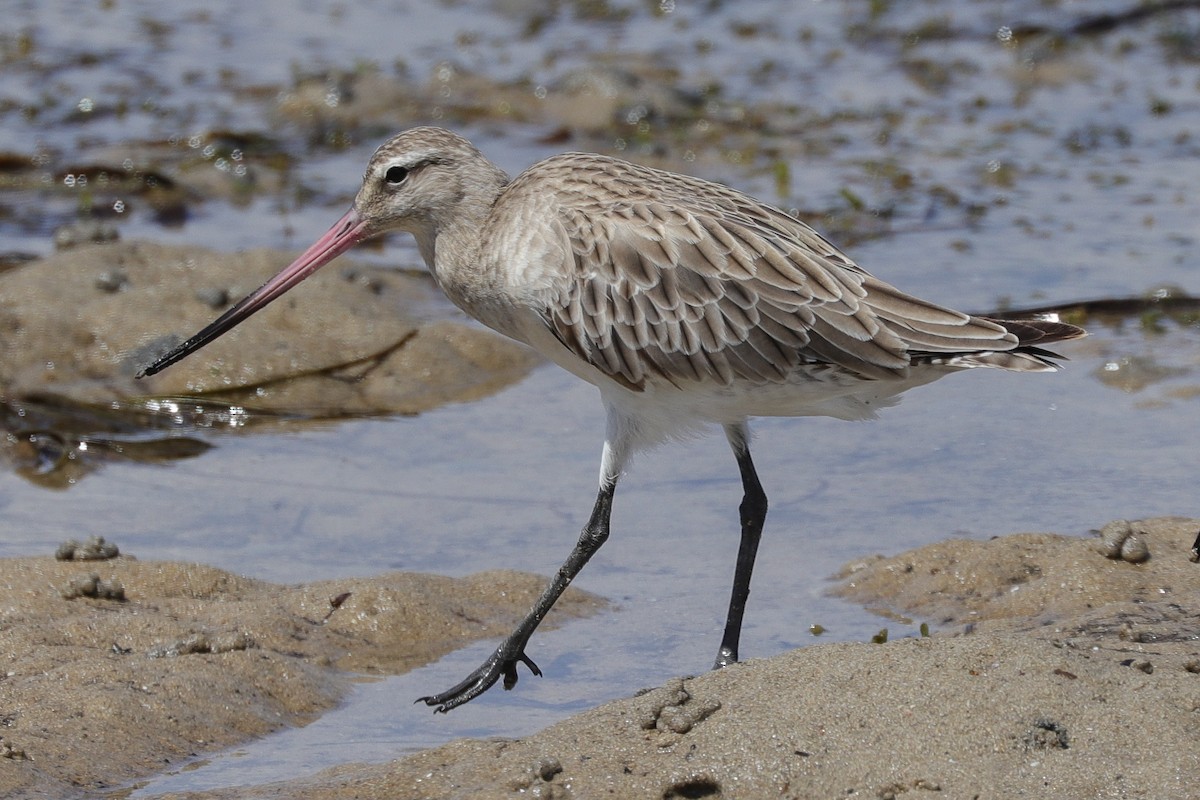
(1026, 356)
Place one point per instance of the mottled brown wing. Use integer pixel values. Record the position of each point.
(702, 283)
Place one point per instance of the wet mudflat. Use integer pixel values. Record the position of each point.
(981, 156)
(1056, 668)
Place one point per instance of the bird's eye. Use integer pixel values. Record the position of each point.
(396, 175)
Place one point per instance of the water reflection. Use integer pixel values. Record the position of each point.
(54, 441)
(1141, 343)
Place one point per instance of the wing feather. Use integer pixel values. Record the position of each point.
(678, 279)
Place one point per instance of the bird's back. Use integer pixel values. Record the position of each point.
(658, 280)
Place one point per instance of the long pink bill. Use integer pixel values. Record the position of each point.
(345, 233)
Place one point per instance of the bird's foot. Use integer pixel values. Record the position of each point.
(503, 662)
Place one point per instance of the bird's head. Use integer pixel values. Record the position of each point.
(420, 181)
(423, 180)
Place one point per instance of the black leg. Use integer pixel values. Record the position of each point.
(511, 651)
(753, 511)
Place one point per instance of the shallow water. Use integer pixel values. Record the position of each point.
(1002, 175)
(508, 481)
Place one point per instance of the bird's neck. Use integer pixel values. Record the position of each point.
(449, 238)
(463, 277)
(453, 252)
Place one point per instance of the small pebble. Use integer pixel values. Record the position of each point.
(547, 767)
(681, 719)
(1134, 549)
(671, 708)
(669, 694)
(112, 281)
(213, 297)
(84, 232)
(1112, 536)
(1046, 734)
(92, 586)
(94, 549)
(533, 778)
(1118, 540)
(9, 750)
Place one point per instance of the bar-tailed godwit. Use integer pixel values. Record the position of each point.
(685, 302)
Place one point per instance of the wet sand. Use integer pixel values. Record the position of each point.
(379, 341)
(99, 690)
(1052, 671)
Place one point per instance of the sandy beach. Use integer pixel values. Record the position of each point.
(1053, 671)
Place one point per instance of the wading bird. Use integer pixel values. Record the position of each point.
(685, 302)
